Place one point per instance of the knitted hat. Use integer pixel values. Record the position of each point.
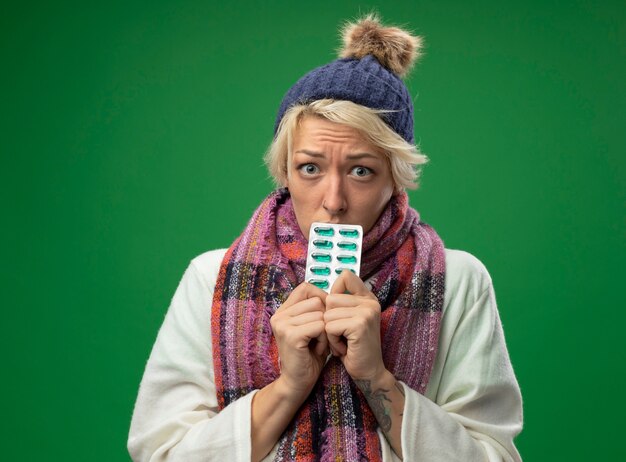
(367, 73)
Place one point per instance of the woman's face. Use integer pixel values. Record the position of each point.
(337, 176)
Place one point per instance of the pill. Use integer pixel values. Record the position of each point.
(321, 283)
(332, 248)
(349, 232)
(321, 257)
(346, 245)
(320, 270)
(347, 259)
(324, 231)
(323, 244)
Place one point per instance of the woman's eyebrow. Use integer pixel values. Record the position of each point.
(310, 153)
(362, 155)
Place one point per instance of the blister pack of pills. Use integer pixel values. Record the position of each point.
(332, 248)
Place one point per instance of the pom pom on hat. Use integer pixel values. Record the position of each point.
(394, 48)
(368, 73)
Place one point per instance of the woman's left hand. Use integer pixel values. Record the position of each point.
(352, 320)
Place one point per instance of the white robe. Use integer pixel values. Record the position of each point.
(471, 411)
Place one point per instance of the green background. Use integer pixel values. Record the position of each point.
(132, 136)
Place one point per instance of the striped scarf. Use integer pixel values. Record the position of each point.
(403, 259)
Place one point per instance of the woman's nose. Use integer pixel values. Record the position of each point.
(334, 196)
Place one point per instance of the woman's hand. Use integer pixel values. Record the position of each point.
(298, 326)
(353, 330)
(353, 327)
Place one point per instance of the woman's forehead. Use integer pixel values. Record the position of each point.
(313, 133)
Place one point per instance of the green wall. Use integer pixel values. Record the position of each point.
(132, 136)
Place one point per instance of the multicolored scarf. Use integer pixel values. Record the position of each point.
(404, 261)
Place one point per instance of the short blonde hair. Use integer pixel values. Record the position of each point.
(405, 159)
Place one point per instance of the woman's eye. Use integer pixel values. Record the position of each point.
(309, 169)
(361, 171)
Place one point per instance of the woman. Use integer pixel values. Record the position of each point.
(253, 363)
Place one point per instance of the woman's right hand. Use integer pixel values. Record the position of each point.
(298, 327)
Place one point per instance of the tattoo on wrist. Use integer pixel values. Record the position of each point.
(376, 400)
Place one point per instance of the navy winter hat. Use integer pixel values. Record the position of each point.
(368, 73)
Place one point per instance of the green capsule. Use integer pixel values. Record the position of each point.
(320, 270)
(321, 257)
(324, 231)
(345, 245)
(321, 283)
(339, 270)
(323, 244)
(349, 233)
(350, 259)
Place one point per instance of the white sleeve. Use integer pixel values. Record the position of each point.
(176, 414)
(478, 406)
